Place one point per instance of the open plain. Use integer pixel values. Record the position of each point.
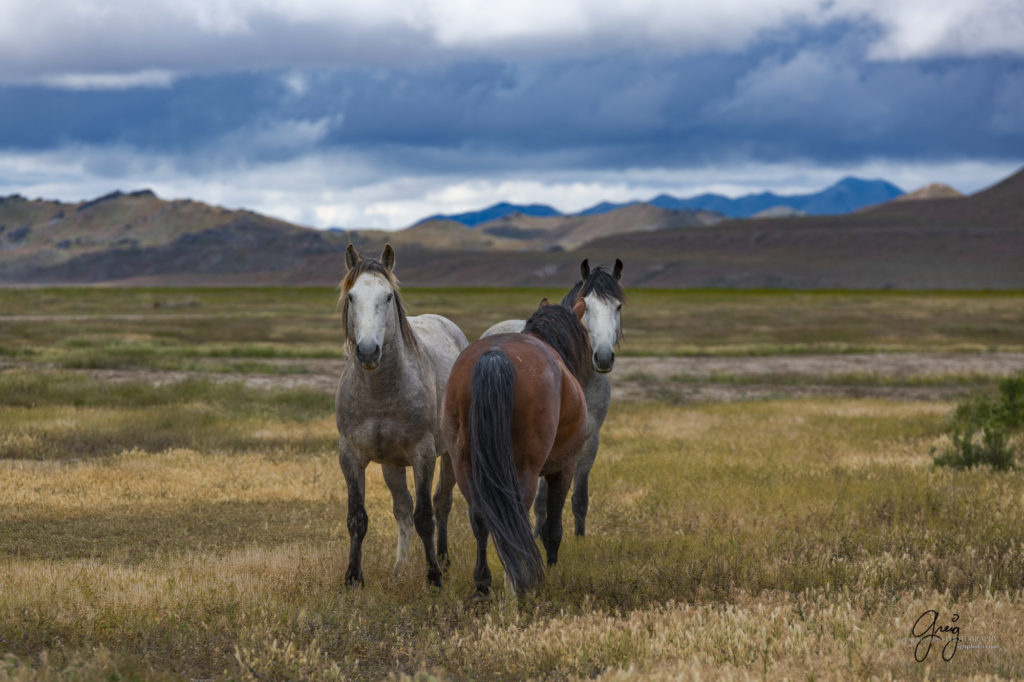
(764, 503)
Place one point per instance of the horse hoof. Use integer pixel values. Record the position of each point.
(353, 580)
(479, 596)
(434, 579)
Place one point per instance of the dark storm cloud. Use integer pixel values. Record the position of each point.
(794, 99)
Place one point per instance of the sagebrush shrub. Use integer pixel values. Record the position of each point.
(981, 426)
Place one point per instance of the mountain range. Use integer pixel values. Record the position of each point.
(849, 194)
(932, 239)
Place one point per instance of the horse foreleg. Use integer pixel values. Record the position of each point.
(423, 517)
(355, 480)
(551, 533)
(394, 476)
(580, 489)
(443, 507)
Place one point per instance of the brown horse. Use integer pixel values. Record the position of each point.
(514, 411)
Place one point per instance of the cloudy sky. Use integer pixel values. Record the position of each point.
(375, 113)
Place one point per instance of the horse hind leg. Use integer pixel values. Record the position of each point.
(481, 572)
(443, 507)
(423, 516)
(551, 533)
(394, 477)
(540, 506)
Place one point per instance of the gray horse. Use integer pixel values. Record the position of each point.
(387, 408)
(604, 297)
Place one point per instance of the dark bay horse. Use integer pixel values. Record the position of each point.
(514, 411)
(388, 408)
(602, 291)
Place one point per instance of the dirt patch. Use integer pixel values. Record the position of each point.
(888, 365)
(317, 374)
(931, 376)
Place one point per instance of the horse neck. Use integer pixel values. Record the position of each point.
(586, 373)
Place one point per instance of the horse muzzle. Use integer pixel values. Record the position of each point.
(368, 354)
(604, 360)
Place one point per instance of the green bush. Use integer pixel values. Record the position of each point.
(1011, 393)
(981, 428)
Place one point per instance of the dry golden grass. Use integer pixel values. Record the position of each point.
(787, 539)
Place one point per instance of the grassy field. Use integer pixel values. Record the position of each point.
(196, 529)
(240, 330)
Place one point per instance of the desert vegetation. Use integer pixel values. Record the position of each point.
(163, 516)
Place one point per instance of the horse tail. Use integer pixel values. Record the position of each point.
(498, 497)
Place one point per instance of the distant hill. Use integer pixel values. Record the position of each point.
(501, 210)
(849, 194)
(119, 236)
(521, 232)
(778, 212)
(571, 232)
(936, 190)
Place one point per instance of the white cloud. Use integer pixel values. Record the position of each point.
(150, 78)
(278, 136)
(939, 28)
(296, 82)
(39, 40)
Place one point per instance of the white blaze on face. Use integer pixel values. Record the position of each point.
(602, 322)
(369, 313)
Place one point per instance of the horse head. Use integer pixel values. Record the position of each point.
(603, 295)
(371, 309)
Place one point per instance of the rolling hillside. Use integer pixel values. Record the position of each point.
(950, 242)
(121, 236)
(974, 242)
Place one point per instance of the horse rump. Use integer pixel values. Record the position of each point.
(498, 498)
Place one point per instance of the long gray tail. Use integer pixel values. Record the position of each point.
(495, 482)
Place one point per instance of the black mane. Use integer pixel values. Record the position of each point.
(557, 326)
(600, 282)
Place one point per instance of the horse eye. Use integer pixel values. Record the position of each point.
(390, 296)
(350, 299)
(618, 308)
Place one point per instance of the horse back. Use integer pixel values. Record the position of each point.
(505, 327)
(440, 342)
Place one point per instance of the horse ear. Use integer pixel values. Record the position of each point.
(543, 302)
(580, 309)
(617, 272)
(351, 256)
(585, 269)
(387, 257)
